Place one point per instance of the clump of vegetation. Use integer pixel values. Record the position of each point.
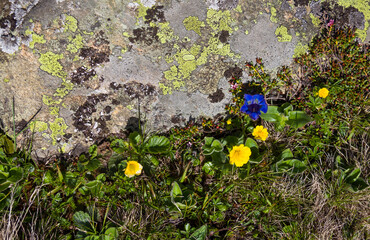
(288, 160)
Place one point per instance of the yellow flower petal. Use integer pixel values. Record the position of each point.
(133, 168)
(259, 132)
(239, 155)
(323, 92)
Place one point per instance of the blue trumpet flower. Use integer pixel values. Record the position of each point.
(254, 105)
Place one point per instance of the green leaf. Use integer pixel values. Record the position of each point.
(286, 154)
(111, 234)
(200, 233)
(15, 174)
(135, 139)
(176, 190)
(93, 164)
(359, 184)
(293, 165)
(119, 146)
(251, 143)
(4, 185)
(353, 176)
(298, 119)
(208, 168)
(285, 108)
(93, 151)
(3, 175)
(82, 221)
(272, 114)
(7, 144)
(208, 141)
(217, 146)
(158, 144)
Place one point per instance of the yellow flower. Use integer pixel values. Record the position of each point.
(323, 92)
(228, 121)
(239, 155)
(133, 168)
(259, 132)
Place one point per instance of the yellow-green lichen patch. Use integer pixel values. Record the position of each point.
(70, 23)
(38, 126)
(49, 63)
(61, 92)
(300, 49)
(165, 89)
(315, 20)
(362, 6)
(193, 23)
(219, 20)
(171, 74)
(273, 15)
(35, 38)
(165, 33)
(238, 9)
(57, 129)
(246, 32)
(75, 43)
(282, 34)
(141, 9)
(6, 80)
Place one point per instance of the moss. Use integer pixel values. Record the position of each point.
(300, 49)
(219, 20)
(165, 33)
(70, 23)
(76, 43)
(273, 15)
(38, 126)
(193, 23)
(362, 6)
(49, 63)
(57, 129)
(315, 20)
(282, 34)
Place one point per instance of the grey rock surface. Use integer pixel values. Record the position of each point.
(80, 70)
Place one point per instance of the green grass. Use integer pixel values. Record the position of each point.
(308, 180)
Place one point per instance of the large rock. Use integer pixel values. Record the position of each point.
(79, 70)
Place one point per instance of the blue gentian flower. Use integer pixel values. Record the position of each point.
(254, 105)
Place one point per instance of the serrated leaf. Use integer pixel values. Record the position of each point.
(119, 146)
(82, 220)
(135, 139)
(93, 151)
(111, 233)
(158, 145)
(93, 164)
(200, 233)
